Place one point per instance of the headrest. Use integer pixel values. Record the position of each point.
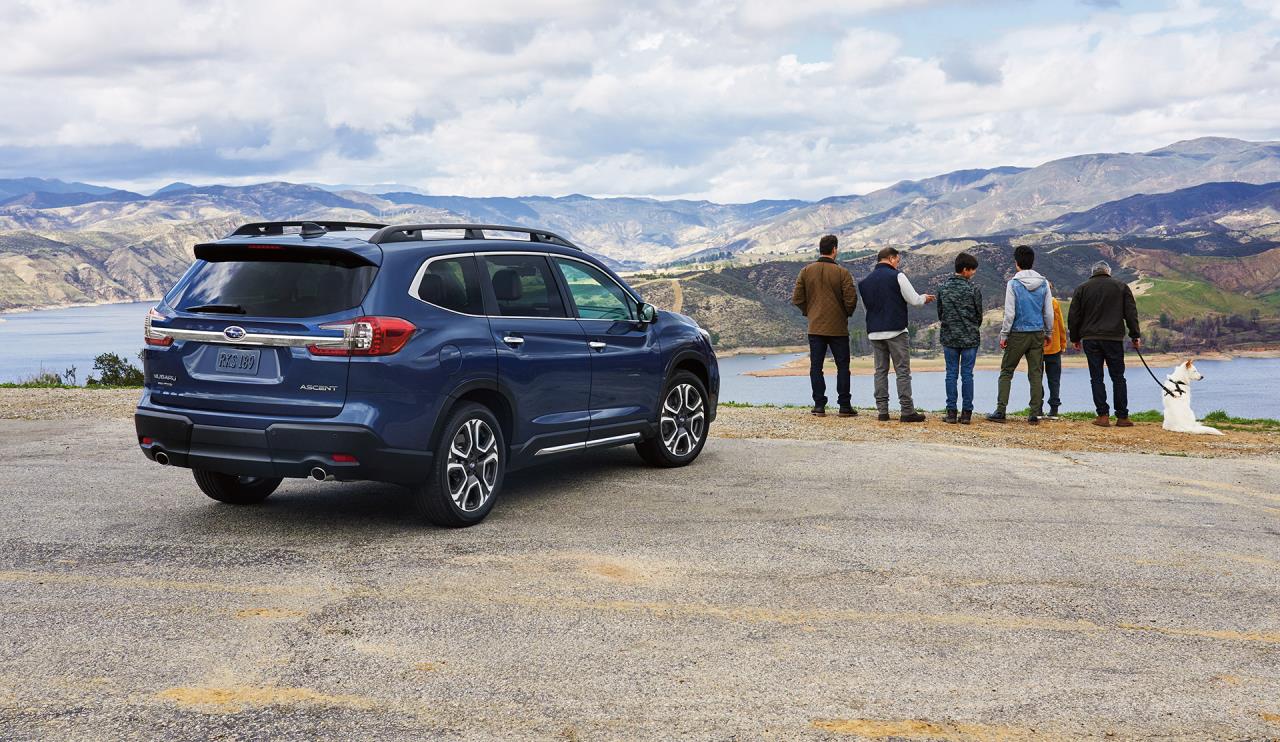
(506, 285)
(432, 288)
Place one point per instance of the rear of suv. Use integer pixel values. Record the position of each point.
(437, 356)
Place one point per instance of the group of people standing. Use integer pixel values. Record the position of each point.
(1033, 328)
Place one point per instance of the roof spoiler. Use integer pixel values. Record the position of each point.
(414, 233)
(308, 229)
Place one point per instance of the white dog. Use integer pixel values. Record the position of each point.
(1178, 416)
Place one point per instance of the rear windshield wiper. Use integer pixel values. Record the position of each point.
(218, 308)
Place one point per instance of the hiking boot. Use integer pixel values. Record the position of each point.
(1053, 413)
(1123, 422)
(1033, 419)
(848, 412)
(966, 417)
(915, 417)
(1102, 421)
(951, 417)
(883, 417)
(997, 417)
(819, 411)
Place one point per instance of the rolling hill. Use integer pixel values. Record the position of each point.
(1195, 226)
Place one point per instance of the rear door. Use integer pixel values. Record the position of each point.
(542, 352)
(243, 323)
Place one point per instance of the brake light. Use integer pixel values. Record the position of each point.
(152, 336)
(366, 336)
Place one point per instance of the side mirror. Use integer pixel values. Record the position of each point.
(647, 313)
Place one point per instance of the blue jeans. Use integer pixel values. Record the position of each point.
(960, 364)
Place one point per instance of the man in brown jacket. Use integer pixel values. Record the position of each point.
(826, 295)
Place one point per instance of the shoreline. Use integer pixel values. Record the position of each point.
(862, 365)
(71, 305)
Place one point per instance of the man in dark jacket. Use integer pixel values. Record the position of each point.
(887, 293)
(1101, 309)
(826, 295)
(960, 312)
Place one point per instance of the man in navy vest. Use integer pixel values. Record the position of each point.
(1028, 317)
(886, 293)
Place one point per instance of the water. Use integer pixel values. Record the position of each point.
(55, 339)
(1245, 387)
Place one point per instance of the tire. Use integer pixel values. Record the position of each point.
(467, 469)
(682, 423)
(235, 490)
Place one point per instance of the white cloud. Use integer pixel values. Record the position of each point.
(699, 99)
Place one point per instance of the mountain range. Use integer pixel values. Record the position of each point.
(1198, 218)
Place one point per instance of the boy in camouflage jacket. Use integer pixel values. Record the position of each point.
(960, 311)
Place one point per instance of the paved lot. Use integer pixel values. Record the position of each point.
(774, 590)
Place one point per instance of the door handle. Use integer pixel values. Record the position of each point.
(597, 345)
(513, 340)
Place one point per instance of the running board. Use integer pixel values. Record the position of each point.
(615, 440)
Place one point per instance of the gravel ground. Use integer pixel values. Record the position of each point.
(775, 589)
(787, 423)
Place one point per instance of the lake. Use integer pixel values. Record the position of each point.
(55, 339)
(1245, 387)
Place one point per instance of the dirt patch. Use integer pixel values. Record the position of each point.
(230, 699)
(68, 404)
(920, 729)
(1055, 436)
(570, 567)
(269, 613)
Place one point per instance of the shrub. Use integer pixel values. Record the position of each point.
(114, 371)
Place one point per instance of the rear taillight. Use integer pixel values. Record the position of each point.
(153, 336)
(366, 336)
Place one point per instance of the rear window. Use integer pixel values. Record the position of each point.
(276, 287)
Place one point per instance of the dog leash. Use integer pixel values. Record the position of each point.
(1176, 384)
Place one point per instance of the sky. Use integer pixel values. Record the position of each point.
(730, 101)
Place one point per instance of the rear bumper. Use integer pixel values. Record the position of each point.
(280, 450)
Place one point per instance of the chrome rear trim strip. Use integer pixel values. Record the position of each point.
(251, 338)
(590, 444)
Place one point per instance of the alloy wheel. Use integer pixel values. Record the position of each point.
(472, 471)
(683, 420)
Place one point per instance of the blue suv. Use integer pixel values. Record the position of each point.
(438, 356)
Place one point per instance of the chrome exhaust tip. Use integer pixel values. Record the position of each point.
(162, 458)
(320, 475)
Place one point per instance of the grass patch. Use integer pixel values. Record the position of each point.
(43, 380)
(1220, 419)
(745, 405)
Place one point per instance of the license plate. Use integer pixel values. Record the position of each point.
(244, 362)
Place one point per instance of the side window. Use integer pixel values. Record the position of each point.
(595, 295)
(523, 286)
(452, 283)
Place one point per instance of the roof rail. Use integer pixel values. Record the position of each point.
(309, 228)
(413, 233)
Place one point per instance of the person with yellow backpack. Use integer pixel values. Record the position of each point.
(1054, 345)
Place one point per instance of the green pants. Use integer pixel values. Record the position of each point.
(1031, 346)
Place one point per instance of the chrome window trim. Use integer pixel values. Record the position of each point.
(422, 270)
(215, 337)
(416, 283)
